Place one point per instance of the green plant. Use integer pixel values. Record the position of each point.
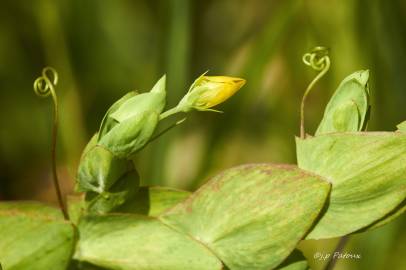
(249, 217)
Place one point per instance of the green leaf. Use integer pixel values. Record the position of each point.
(99, 169)
(368, 173)
(125, 241)
(126, 138)
(34, 236)
(251, 216)
(348, 109)
(152, 201)
(295, 261)
(402, 126)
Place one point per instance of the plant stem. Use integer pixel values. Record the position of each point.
(168, 113)
(162, 133)
(166, 130)
(339, 248)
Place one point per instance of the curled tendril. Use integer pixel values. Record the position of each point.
(318, 60)
(43, 87)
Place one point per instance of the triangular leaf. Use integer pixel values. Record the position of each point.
(368, 173)
(400, 209)
(125, 241)
(251, 216)
(34, 236)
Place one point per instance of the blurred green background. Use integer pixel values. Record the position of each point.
(103, 49)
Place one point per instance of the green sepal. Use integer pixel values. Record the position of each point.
(99, 169)
(122, 191)
(137, 105)
(188, 102)
(348, 109)
(126, 138)
(108, 122)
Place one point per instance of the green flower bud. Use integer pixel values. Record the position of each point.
(129, 136)
(130, 122)
(349, 107)
(105, 172)
(153, 101)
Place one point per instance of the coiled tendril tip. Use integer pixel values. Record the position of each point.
(318, 58)
(44, 85)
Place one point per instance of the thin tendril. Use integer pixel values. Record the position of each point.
(319, 60)
(43, 87)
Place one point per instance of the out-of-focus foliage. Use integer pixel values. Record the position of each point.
(104, 49)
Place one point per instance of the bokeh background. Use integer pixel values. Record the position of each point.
(103, 49)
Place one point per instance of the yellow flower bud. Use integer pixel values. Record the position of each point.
(218, 89)
(209, 91)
